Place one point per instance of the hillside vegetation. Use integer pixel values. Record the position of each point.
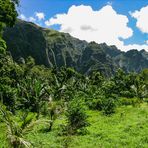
(52, 48)
(42, 107)
(126, 128)
(70, 93)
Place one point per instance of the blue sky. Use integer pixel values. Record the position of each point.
(125, 23)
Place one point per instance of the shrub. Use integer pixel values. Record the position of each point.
(128, 94)
(130, 101)
(2, 46)
(95, 104)
(146, 100)
(109, 106)
(76, 116)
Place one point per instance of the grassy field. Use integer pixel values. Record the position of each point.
(128, 127)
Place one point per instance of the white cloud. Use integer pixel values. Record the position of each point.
(22, 16)
(47, 23)
(104, 25)
(142, 18)
(135, 46)
(146, 42)
(36, 18)
(40, 15)
(32, 19)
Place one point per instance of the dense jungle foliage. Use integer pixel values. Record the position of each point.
(60, 107)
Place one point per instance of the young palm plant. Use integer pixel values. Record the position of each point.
(15, 136)
(18, 128)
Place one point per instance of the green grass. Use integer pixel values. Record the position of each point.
(128, 127)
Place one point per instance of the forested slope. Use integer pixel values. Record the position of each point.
(55, 49)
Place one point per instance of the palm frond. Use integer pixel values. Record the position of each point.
(32, 124)
(24, 143)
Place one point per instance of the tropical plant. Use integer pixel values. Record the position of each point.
(76, 116)
(7, 12)
(2, 46)
(15, 134)
(33, 95)
(108, 105)
(19, 126)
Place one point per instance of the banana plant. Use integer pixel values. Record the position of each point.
(33, 95)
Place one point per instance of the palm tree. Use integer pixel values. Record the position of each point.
(15, 136)
(16, 130)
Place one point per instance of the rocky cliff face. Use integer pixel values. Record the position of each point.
(53, 48)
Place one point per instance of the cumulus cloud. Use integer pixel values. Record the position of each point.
(40, 15)
(135, 46)
(146, 42)
(142, 18)
(22, 16)
(104, 25)
(47, 23)
(32, 19)
(87, 27)
(36, 18)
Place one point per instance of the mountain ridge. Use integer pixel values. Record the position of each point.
(56, 49)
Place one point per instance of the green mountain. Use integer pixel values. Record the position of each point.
(53, 48)
(46, 46)
(132, 60)
(95, 58)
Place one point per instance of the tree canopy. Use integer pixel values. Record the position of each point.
(8, 13)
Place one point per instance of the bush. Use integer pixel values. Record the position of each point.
(2, 46)
(109, 106)
(128, 94)
(130, 101)
(76, 116)
(95, 104)
(146, 100)
(105, 104)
